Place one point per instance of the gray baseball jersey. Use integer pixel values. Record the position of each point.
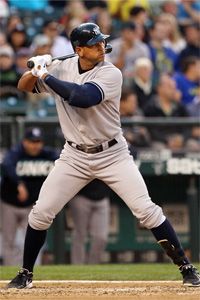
(77, 123)
(92, 126)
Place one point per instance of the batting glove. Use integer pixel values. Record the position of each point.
(40, 67)
(47, 58)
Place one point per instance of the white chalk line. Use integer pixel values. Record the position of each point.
(102, 281)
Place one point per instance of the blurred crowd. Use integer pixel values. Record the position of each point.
(156, 45)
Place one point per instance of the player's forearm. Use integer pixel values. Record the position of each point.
(27, 82)
(84, 95)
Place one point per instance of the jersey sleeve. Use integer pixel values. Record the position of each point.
(109, 81)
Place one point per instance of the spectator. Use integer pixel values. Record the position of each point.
(139, 16)
(188, 81)
(21, 59)
(165, 105)
(3, 39)
(129, 104)
(169, 7)
(90, 212)
(8, 74)
(175, 142)
(96, 6)
(12, 22)
(120, 9)
(141, 81)
(4, 10)
(127, 48)
(24, 168)
(173, 39)
(192, 36)
(18, 38)
(193, 142)
(41, 45)
(136, 136)
(194, 107)
(188, 12)
(60, 45)
(163, 58)
(75, 12)
(104, 21)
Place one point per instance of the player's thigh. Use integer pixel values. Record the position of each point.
(61, 185)
(131, 188)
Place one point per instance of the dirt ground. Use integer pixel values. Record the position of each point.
(86, 290)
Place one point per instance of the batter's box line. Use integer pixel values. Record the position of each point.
(103, 281)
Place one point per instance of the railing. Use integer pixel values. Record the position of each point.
(18, 124)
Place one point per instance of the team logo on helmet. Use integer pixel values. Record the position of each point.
(96, 31)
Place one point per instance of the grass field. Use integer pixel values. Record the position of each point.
(151, 271)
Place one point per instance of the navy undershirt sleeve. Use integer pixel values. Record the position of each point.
(84, 95)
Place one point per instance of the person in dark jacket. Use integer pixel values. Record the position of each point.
(24, 168)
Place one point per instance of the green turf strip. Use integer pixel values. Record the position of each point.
(151, 271)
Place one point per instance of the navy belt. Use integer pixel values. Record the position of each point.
(96, 149)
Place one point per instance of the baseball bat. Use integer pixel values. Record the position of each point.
(30, 63)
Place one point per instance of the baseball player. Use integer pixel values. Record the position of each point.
(87, 92)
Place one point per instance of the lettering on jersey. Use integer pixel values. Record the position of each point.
(34, 168)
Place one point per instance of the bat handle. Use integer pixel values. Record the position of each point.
(30, 64)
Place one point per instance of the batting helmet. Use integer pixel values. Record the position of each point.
(87, 34)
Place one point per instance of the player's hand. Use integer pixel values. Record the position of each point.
(40, 67)
(22, 192)
(47, 58)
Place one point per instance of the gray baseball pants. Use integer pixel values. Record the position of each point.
(91, 222)
(12, 218)
(74, 169)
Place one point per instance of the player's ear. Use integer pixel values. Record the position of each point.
(79, 51)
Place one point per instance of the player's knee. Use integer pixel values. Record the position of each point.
(39, 220)
(153, 218)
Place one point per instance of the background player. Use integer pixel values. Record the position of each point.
(24, 169)
(87, 92)
(90, 211)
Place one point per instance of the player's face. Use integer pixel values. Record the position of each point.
(33, 148)
(91, 55)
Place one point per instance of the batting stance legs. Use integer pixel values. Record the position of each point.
(117, 169)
